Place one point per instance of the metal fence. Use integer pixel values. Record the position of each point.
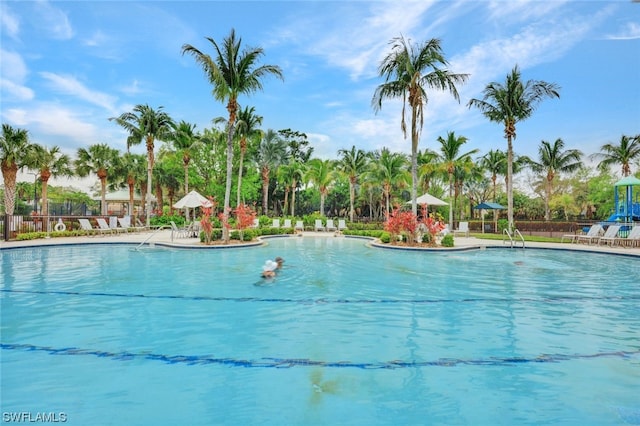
(13, 225)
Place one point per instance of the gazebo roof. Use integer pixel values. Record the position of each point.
(628, 181)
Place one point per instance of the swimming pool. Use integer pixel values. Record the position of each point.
(346, 334)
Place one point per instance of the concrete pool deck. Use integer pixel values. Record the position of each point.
(163, 237)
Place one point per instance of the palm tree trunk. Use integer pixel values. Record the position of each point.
(510, 182)
(186, 187)
(150, 160)
(450, 201)
(352, 197)
(414, 160)
(239, 191)
(294, 185)
(44, 177)
(131, 184)
(265, 190)
(9, 172)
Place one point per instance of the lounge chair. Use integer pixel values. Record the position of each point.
(342, 225)
(463, 228)
(330, 226)
(86, 226)
(631, 240)
(276, 223)
(299, 226)
(256, 223)
(104, 226)
(287, 223)
(592, 235)
(318, 225)
(610, 236)
(125, 223)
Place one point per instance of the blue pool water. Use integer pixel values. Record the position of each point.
(346, 334)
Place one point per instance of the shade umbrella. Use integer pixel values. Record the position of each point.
(429, 200)
(192, 200)
(488, 206)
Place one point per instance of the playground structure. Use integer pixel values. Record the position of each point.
(627, 209)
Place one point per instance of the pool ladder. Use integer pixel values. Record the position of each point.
(511, 237)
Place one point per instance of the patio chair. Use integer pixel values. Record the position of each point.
(85, 225)
(287, 223)
(256, 223)
(330, 225)
(610, 236)
(104, 226)
(631, 240)
(318, 225)
(463, 228)
(593, 234)
(276, 223)
(299, 226)
(342, 225)
(125, 223)
(178, 232)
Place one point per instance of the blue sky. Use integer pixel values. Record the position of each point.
(66, 67)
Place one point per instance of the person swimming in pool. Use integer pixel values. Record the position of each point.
(279, 262)
(269, 269)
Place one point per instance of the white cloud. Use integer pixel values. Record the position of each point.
(54, 20)
(13, 72)
(71, 86)
(631, 31)
(15, 92)
(10, 23)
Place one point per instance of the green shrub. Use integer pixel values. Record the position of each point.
(166, 220)
(502, 225)
(447, 241)
(385, 237)
(427, 238)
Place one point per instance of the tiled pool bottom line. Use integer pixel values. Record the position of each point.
(268, 362)
(542, 299)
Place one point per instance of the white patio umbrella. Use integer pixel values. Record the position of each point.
(429, 200)
(192, 200)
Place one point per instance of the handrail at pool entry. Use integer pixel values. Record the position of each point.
(151, 236)
(511, 241)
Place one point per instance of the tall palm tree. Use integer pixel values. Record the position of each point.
(409, 70)
(552, 159)
(427, 168)
(232, 72)
(185, 140)
(271, 153)
(320, 174)
(390, 172)
(50, 162)
(494, 162)
(131, 169)
(510, 103)
(353, 163)
(149, 124)
(247, 128)
(290, 174)
(624, 154)
(14, 146)
(100, 159)
(451, 158)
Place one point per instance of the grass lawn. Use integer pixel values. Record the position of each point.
(532, 238)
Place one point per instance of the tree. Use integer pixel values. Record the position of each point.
(14, 146)
(553, 160)
(49, 162)
(409, 70)
(624, 154)
(352, 163)
(149, 124)
(99, 159)
(451, 158)
(185, 140)
(248, 128)
(510, 103)
(271, 153)
(389, 171)
(131, 169)
(232, 72)
(320, 174)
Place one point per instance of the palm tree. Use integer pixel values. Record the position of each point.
(320, 174)
(49, 162)
(353, 163)
(427, 168)
(131, 169)
(290, 174)
(271, 153)
(185, 140)
(99, 159)
(553, 160)
(389, 171)
(409, 70)
(451, 158)
(248, 128)
(232, 72)
(14, 146)
(623, 154)
(508, 104)
(149, 124)
(494, 162)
